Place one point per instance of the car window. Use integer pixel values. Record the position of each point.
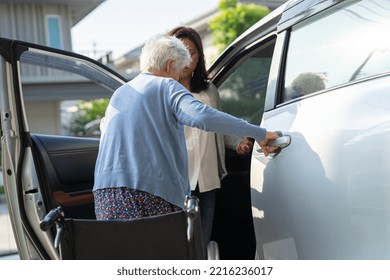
(63, 95)
(243, 91)
(345, 44)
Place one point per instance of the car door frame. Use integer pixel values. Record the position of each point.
(231, 60)
(19, 170)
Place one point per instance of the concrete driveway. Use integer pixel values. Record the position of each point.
(7, 241)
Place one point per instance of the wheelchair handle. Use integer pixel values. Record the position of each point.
(51, 217)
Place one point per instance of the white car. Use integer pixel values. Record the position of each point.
(317, 71)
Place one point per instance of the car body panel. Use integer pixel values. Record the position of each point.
(324, 196)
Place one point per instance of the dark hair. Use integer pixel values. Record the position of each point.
(199, 79)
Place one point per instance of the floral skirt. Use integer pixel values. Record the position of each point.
(126, 203)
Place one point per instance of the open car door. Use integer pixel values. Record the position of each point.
(43, 170)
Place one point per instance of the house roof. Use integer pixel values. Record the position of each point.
(79, 8)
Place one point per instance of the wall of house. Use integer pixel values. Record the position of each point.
(27, 22)
(44, 116)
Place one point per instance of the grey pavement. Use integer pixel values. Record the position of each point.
(7, 241)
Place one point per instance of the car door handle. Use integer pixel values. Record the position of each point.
(282, 141)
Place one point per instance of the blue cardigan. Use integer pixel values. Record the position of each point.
(142, 144)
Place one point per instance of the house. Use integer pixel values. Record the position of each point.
(46, 22)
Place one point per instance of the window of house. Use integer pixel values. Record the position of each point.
(54, 35)
(243, 92)
(338, 47)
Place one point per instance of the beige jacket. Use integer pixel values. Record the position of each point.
(205, 169)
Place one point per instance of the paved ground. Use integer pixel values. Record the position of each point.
(7, 241)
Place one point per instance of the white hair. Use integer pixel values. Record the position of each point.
(161, 48)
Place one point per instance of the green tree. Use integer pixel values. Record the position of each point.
(233, 20)
(87, 111)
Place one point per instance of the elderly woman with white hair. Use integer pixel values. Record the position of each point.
(142, 167)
